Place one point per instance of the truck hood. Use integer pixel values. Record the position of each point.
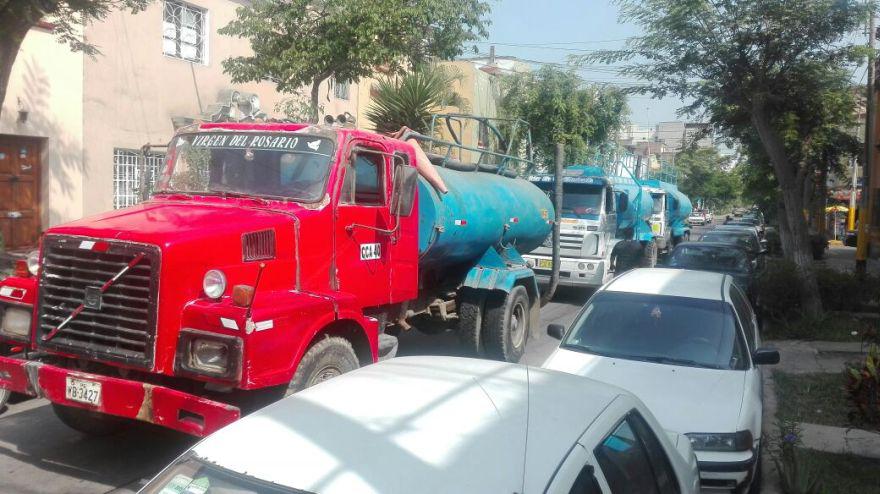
(165, 223)
(684, 399)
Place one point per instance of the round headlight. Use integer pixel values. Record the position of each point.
(33, 262)
(214, 283)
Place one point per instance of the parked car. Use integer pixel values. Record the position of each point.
(710, 217)
(717, 257)
(697, 218)
(687, 343)
(744, 237)
(442, 425)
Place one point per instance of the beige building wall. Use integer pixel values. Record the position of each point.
(46, 82)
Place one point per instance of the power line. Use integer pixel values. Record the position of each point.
(548, 43)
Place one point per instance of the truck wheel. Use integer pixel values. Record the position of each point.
(89, 422)
(649, 255)
(506, 324)
(326, 359)
(470, 319)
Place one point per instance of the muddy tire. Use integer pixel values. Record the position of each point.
(331, 356)
(89, 422)
(506, 324)
(649, 255)
(471, 304)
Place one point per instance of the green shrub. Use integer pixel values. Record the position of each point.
(774, 242)
(796, 474)
(778, 290)
(863, 386)
(840, 290)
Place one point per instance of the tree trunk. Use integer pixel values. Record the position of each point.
(316, 86)
(785, 237)
(791, 182)
(9, 46)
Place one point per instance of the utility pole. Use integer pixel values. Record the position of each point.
(557, 219)
(862, 241)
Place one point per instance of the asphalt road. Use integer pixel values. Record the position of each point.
(40, 455)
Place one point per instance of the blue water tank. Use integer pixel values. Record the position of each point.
(480, 210)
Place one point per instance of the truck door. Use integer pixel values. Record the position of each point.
(363, 227)
(658, 214)
(609, 226)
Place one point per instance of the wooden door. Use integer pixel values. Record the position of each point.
(19, 191)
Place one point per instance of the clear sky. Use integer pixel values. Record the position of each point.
(566, 27)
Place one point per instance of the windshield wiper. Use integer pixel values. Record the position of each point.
(228, 193)
(670, 360)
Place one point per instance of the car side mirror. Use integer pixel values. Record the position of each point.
(765, 356)
(556, 331)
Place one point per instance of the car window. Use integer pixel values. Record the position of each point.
(364, 180)
(746, 316)
(657, 328)
(663, 472)
(585, 483)
(711, 258)
(624, 461)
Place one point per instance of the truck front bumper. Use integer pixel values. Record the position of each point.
(121, 397)
(572, 272)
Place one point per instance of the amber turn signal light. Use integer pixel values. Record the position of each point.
(21, 268)
(242, 295)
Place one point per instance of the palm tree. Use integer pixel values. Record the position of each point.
(410, 99)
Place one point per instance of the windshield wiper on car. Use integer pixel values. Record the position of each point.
(660, 359)
(229, 193)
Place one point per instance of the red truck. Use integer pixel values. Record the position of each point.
(271, 256)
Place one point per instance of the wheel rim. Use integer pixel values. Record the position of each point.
(517, 325)
(328, 372)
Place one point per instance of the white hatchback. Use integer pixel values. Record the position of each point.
(686, 343)
(442, 425)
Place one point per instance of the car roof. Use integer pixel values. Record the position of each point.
(417, 424)
(706, 285)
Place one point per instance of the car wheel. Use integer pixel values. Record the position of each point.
(88, 421)
(506, 324)
(330, 357)
(471, 304)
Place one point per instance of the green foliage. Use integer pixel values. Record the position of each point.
(703, 174)
(778, 291)
(863, 386)
(559, 107)
(797, 475)
(410, 99)
(300, 42)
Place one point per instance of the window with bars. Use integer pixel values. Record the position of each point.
(341, 89)
(184, 31)
(127, 175)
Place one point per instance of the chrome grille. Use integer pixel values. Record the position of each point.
(121, 326)
(571, 240)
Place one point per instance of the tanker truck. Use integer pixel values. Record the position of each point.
(609, 224)
(271, 257)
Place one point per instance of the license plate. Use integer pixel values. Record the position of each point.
(83, 391)
(545, 263)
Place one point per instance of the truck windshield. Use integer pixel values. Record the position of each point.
(658, 203)
(659, 328)
(275, 165)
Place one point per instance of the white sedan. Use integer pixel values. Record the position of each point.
(442, 425)
(686, 343)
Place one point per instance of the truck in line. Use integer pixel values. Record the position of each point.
(271, 257)
(610, 223)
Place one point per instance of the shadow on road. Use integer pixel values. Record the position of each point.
(34, 442)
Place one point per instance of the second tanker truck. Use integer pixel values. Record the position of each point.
(271, 257)
(609, 224)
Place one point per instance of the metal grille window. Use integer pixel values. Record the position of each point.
(341, 89)
(127, 175)
(183, 31)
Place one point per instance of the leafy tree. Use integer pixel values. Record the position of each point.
(766, 71)
(560, 107)
(703, 175)
(305, 42)
(17, 17)
(411, 98)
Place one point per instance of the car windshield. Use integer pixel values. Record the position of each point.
(275, 165)
(709, 258)
(743, 239)
(191, 475)
(658, 328)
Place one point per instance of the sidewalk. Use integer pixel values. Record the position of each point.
(844, 259)
(810, 357)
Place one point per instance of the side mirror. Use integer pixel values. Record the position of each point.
(556, 331)
(765, 356)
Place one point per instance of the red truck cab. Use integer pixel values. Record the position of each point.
(254, 250)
